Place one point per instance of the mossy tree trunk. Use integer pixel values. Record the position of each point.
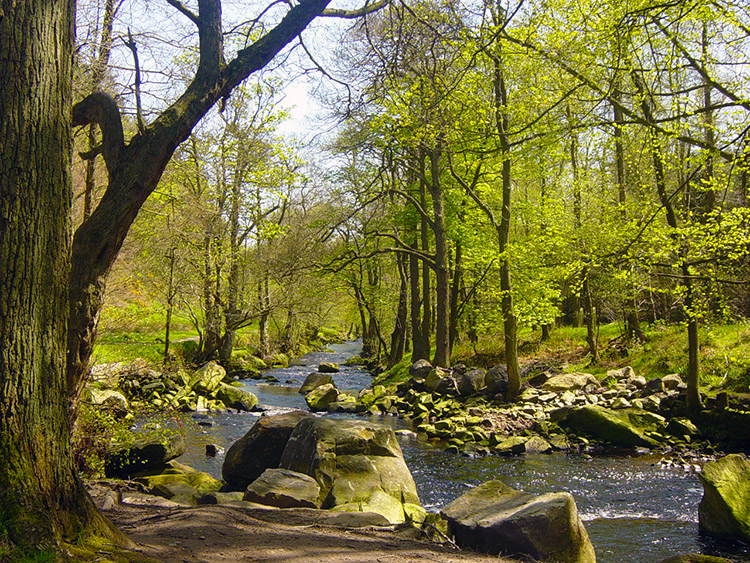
(51, 291)
(42, 501)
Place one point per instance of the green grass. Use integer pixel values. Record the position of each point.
(725, 352)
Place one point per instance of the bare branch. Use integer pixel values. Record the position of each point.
(184, 10)
(130, 43)
(358, 13)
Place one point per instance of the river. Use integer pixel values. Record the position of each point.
(634, 511)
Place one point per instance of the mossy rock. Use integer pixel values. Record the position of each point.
(148, 451)
(724, 510)
(177, 473)
(236, 398)
(629, 427)
(319, 398)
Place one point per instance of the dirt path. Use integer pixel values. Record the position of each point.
(217, 534)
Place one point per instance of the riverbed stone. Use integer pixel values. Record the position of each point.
(572, 382)
(328, 367)
(149, 451)
(352, 460)
(724, 510)
(512, 445)
(471, 382)
(682, 427)
(319, 398)
(537, 445)
(315, 380)
(235, 398)
(283, 488)
(207, 378)
(494, 518)
(259, 449)
(626, 427)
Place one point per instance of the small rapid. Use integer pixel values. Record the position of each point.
(634, 510)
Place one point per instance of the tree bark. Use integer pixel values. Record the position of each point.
(398, 336)
(42, 500)
(426, 323)
(442, 280)
(455, 294)
(502, 125)
(415, 306)
(694, 403)
(589, 314)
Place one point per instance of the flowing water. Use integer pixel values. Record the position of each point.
(634, 511)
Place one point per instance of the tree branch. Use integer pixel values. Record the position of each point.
(101, 108)
(184, 10)
(359, 12)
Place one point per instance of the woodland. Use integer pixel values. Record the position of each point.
(482, 176)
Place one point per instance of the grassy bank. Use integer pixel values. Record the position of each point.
(725, 353)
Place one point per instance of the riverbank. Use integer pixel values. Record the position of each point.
(216, 534)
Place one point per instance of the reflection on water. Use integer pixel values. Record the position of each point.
(634, 511)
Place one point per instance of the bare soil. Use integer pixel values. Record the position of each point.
(218, 533)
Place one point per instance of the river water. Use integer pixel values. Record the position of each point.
(634, 511)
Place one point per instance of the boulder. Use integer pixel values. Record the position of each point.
(694, 558)
(724, 510)
(235, 398)
(328, 367)
(571, 382)
(622, 427)
(495, 518)
(621, 374)
(655, 385)
(315, 380)
(537, 445)
(283, 488)
(319, 398)
(150, 451)
(356, 463)
(259, 449)
(174, 473)
(435, 377)
(471, 382)
(106, 397)
(672, 381)
(216, 497)
(207, 378)
(420, 369)
(682, 427)
(496, 379)
(178, 482)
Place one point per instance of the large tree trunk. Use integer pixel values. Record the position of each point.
(398, 336)
(41, 497)
(694, 403)
(442, 279)
(426, 286)
(589, 313)
(415, 308)
(455, 295)
(502, 124)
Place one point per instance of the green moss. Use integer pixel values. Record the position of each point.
(95, 548)
(394, 375)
